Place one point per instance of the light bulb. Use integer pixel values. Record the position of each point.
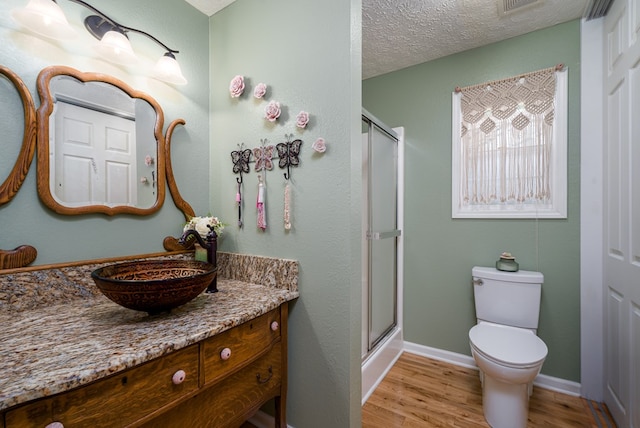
(168, 70)
(115, 47)
(44, 17)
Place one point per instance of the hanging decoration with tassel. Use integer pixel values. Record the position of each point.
(288, 153)
(287, 207)
(239, 202)
(263, 156)
(262, 220)
(240, 158)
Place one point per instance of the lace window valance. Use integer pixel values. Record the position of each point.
(505, 146)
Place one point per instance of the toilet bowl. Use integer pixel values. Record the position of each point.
(509, 359)
(504, 343)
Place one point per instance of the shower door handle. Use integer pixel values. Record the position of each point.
(383, 235)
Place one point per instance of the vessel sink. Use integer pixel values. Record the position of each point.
(154, 286)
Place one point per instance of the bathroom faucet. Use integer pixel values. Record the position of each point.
(210, 243)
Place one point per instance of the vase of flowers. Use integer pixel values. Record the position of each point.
(203, 225)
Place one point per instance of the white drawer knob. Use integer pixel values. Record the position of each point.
(55, 425)
(274, 326)
(225, 354)
(178, 377)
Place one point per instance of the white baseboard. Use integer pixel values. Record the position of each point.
(542, 381)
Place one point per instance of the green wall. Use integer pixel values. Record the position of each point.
(309, 54)
(440, 251)
(304, 52)
(62, 238)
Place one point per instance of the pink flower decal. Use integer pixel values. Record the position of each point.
(260, 90)
(148, 160)
(236, 87)
(319, 145)
(272, 111)
(302, 119)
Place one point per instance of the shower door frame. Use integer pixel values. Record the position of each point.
(394, 332)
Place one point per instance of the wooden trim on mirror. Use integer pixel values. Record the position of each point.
(18, 257)
(16, 177)
(171, 243)
(181, 204)
(43, 169)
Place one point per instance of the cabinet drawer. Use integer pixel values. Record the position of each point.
(118, 400)
(235, 348)
(230, 402)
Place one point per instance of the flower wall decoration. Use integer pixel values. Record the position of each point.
(319, 145)
(236, 87)
(302, 119)
(272, 111)
(260, 90)
(148, 160)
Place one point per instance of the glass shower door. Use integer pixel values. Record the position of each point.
(382, 233)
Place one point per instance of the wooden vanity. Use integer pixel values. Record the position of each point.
(211, 363)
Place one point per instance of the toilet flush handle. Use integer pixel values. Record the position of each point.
(477, 281)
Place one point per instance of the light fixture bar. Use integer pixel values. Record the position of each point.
(45, 17)
(98, 31)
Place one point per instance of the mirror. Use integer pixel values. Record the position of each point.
(12, 183)
(100, 145)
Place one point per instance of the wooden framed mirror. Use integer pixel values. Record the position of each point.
(24, 254)
(100, 145)
(12, 183)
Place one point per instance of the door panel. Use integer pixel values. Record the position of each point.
(622, 213)
(101, 149)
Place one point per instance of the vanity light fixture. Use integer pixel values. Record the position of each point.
(46, 18)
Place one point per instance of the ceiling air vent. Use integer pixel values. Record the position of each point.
(597, 9)
(506, 7)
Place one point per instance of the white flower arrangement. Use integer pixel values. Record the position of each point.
(201, 225)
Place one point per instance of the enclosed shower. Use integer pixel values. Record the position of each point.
(381, 249)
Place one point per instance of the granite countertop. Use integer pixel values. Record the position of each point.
(59, 346)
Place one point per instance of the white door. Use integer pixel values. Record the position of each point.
(622, 212)
(95, 156)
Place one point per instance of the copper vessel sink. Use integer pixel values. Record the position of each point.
(154, 286)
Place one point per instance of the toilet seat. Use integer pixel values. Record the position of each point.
(509, 346)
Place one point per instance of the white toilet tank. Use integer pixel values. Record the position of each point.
(508, 298)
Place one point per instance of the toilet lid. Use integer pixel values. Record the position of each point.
(509, 345)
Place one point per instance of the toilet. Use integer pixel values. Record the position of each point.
(504, 343)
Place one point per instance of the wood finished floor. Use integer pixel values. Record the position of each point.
(422, 392)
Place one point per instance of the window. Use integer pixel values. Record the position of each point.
(509, 148)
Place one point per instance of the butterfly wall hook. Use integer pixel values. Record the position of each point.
(241, 158)
(289, 153)
(263, 156)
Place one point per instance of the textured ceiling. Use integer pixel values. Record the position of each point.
(400, 33)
